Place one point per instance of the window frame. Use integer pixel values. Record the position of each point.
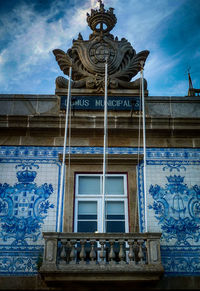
(98, 198)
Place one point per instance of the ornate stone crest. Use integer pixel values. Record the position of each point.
(87, 57)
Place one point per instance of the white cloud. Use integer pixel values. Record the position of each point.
(33, 36)
(139, 19)
(2, 56)
(159, 64)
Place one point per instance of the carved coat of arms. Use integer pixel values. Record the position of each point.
(87, 57)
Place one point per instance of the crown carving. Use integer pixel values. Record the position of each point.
(101, 20)
(175, 179)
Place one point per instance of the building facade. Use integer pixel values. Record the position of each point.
(83, 249)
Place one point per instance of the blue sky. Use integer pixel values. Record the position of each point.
(31, 29)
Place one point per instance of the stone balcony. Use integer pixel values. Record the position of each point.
(86, 257)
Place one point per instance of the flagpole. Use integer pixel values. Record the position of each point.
(144, 148)
(104, 148)
(64, 151)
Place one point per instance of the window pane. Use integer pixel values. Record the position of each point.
(87, 226)
(87, 207)
(87, 210)
(115, 217)
(86, 217)
(115, 185)
(89, 185)
(115, 226)
(115, 208)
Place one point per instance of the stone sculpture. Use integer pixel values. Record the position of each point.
(88, 57)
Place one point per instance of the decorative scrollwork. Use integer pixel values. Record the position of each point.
(24, 206)
(177, 208)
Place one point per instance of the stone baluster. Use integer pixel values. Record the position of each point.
(102, 253)
(82, 252)
(92, 252)
(63, 253)
(131, 253)
(72, 254)
(140, 252)
(122, 254)
(112, 255)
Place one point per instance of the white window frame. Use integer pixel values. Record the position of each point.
(98, 198)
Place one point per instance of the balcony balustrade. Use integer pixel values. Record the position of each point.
(101, 256)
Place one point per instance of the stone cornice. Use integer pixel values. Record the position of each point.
(87, 125)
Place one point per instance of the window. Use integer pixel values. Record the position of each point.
(89, 203)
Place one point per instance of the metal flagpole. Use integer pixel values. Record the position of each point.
(64, 151)
(144, 148)
(104, 148)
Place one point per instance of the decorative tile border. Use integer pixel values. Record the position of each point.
(52, 152)
(20, 261)
(181, 261)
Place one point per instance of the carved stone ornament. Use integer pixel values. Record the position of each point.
(88, 57)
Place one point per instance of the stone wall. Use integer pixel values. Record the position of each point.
(31, 140)
(36, 120)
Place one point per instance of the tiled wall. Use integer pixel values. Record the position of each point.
(29, 187)
(173, 207)
(28, 204)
